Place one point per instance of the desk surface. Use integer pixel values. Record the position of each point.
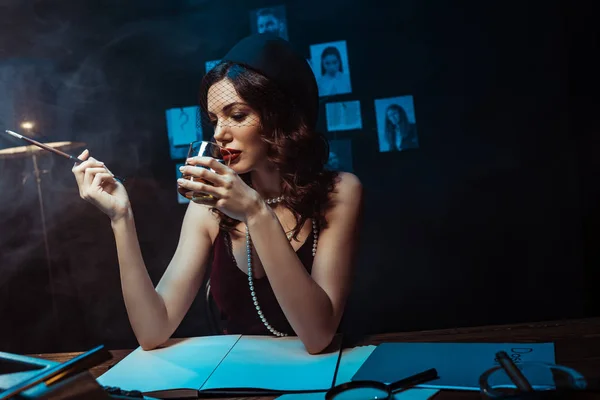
(577, 345)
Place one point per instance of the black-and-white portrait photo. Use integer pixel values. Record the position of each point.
(210, 64)
(340, 155)
(182, 129)
(331, 67)
(271, 20)
(343, 116)
(396, 124)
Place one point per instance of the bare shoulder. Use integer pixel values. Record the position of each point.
(347, 188)
(346, 197)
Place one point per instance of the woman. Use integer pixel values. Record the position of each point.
(276, 212)
(398, 131)
(333, 80)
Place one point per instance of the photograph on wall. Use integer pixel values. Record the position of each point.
(210, 64)
(396, 124)
(343, 116)
(182, 130)
(180, 198)
(269, 20)
(330, 65)
(340, 155)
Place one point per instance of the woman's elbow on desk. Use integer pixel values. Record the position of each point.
(151, 342)
(317, 342)
(318, 347)
(147, 345)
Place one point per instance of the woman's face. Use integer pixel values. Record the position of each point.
(237, 127)
(331, 64)
(394, 116)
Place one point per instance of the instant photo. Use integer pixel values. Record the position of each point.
(269, 20)
(343, 116)
(331, 68)
(396, 124)
(182, 130)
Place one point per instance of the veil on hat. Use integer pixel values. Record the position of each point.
(279, 61)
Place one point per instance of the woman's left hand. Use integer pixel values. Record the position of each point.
(232, 196)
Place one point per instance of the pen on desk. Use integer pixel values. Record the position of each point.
(515, 375)
(417, 379)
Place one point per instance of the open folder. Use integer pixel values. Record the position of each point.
(459, 365)
(235, 365)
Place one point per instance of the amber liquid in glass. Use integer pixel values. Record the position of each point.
(205, 149)
(191, 195)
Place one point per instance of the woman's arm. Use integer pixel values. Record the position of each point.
(154, 314)
(312, 303)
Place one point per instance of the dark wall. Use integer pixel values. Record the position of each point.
(582, 36)
(492, 220)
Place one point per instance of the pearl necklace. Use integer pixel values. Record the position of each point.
(274, 200)
(251, 278)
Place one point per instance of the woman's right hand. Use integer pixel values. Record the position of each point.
(98, 186)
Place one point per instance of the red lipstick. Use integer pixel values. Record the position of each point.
(230, 154)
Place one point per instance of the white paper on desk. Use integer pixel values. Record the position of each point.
(459, 365)
(183, 365)
(350, 362)
(277, 364)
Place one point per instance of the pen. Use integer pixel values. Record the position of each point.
(515, 375)
(417, 379)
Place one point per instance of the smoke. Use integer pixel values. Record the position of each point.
(83, 75)
(54, 80)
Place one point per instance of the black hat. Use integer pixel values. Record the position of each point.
(278, 60)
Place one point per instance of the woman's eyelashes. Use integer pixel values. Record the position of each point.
(237, 117)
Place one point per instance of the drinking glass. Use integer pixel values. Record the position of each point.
(203, 148)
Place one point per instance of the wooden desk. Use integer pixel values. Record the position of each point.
(577, 345)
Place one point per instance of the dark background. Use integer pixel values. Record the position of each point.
(493, 220)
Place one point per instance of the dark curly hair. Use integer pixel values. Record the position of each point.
(296, 149)
(390, 128)
(331, 51)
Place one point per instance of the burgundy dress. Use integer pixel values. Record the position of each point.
(230, 290)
